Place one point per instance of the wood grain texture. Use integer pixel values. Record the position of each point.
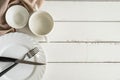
(73, 71)
(83, 11)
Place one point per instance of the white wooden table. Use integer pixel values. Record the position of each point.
(85, 41)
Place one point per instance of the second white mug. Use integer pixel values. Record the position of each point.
(41, 23)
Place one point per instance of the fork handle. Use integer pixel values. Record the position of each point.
(7, 69)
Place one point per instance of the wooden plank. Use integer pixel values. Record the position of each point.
(82, 72)
(81, 52)
(64, 52)
(85, 31)
(83, 11)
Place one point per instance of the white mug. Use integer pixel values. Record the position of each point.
(40, 23)
(17, 16)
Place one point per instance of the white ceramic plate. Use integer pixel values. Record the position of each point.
(16, 45)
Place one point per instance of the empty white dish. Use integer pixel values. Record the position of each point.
(17, 16)
(41, 23)
(16, 45)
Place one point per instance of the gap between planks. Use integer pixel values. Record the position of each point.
(86, 21)
(89, 42)
(106, 62)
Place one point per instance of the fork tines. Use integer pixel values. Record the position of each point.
(32, 52)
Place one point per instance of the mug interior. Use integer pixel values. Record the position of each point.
(41, 23)
(17, 16)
